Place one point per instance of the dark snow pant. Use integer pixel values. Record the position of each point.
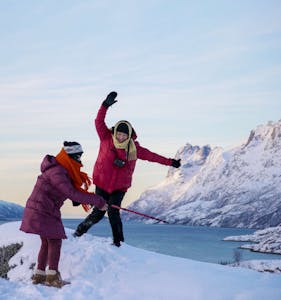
(49, 254)
(96, 215)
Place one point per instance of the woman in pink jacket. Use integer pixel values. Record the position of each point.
(114, 168)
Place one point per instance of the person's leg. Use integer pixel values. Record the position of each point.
(54, 249)
(39, 274)
(94, 217)
(42, 255)
(114, 217)
(53, 277)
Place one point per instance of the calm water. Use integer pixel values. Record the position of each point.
(198, 243)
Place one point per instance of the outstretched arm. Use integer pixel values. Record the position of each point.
(60, 180)
(146, 154)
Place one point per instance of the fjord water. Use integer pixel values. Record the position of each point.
(197, 243)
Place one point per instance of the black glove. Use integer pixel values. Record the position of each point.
(176, 163)
(110, 99)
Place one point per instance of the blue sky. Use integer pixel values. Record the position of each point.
(202, 72)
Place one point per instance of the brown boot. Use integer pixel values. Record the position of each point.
(54, 279)
(39, 276)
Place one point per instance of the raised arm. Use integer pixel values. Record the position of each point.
(101, 127)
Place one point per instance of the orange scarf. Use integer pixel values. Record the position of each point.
(80, 180)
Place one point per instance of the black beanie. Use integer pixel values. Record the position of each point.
(123, 127)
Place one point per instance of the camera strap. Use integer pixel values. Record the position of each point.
(128, 150)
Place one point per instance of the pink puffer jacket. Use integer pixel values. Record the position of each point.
(106, 174)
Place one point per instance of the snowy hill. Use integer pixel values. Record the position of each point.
(10, 211)
(236, 188)
(98, 270)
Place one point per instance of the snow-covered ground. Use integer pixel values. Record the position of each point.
(97, 270)
(267, 241)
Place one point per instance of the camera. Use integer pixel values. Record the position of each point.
(119, 162)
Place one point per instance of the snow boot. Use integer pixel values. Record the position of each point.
(117, 244)
(39, 276)
(54, 279)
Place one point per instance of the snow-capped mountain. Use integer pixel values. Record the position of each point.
(10, 210)
(236, 188)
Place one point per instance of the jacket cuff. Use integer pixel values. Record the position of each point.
(104, 104)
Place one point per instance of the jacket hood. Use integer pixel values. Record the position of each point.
(48, 162)
(134, 135)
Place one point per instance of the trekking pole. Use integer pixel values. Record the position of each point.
(138, 213)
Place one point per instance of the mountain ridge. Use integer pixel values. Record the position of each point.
(10, 211)
(239, 187)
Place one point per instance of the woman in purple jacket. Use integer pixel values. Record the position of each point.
(61, 178)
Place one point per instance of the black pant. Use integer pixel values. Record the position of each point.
(96, 215)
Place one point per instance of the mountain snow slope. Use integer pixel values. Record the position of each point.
(10, 211)
(236, 188)
(97, 270)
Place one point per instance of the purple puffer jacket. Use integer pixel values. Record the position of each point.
(42, 212)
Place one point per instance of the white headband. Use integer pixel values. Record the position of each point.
(73, 149)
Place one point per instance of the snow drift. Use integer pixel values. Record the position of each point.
(101, 271)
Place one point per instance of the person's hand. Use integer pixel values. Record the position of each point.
(101, 203)
(176, 163)
(104, 208)
(110, 99)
